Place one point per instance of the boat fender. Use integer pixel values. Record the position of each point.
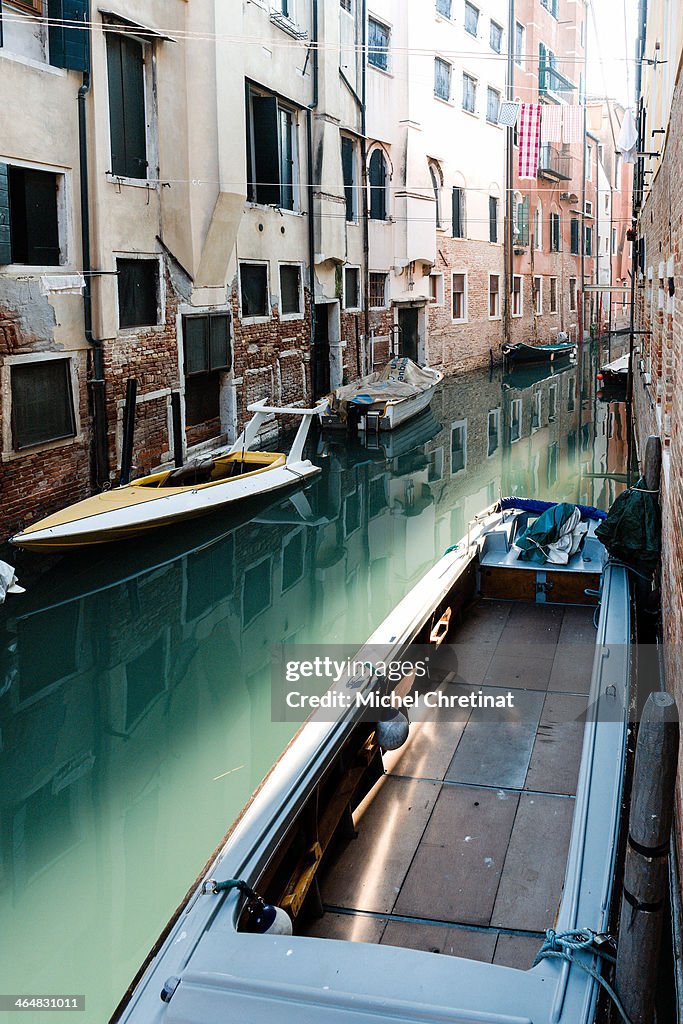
(392, 731)
(263, 918)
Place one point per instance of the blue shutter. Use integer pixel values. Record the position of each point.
(5, 232)
(68, 42)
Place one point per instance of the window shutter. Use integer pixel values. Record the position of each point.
(378, 186)
(266, 185)
(457, 213)
(5, 231)
(125, 73)
(524, 222)
(347, 171)
(493, 219)
(219, 342)
(196, 355)
(68, 42)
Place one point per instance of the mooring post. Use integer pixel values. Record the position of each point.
(128, 430)
(646, 869)
(177, 429)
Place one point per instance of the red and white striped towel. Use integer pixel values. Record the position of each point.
(529, 139)
(551, 123)
(572, 126)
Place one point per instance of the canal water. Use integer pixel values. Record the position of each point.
(135, 683)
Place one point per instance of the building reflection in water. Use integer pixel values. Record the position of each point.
(135, 686)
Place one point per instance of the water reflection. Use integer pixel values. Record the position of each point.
(134, 687)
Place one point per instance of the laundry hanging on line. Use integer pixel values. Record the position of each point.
(529, 139)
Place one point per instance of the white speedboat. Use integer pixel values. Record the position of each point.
(385, 399)
(174, 495)
(468, 836)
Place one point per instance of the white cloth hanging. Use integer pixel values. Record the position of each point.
(628, 137)
(62, 284)
(8, 582)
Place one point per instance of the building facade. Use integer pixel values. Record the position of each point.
(552, 218)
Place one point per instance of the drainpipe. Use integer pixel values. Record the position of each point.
(508, 264)
(364, 178)
(96, 384)
(311, 215)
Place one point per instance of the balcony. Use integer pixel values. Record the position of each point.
(552, 83)
(554, 165)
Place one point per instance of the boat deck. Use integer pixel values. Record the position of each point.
(462, 844)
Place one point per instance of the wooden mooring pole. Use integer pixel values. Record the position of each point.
(128, 430)
(646, 869)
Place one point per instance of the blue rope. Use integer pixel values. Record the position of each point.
(453, 547)
(564, 946)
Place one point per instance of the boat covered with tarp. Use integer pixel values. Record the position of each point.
(428, 865)
(616, 372)
(520, 352)
(385, 399)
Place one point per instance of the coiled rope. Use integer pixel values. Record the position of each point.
(565, 946)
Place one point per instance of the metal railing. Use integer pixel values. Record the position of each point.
(551, 81)
(553, 164)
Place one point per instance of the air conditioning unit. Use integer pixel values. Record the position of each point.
(565, 195)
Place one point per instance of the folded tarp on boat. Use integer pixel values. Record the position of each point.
(554, 537)
(400, 378)
(632, 531)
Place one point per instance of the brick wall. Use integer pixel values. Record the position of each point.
(659, 402)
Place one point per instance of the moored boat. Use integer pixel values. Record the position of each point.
(616, 372)
(385, 399)
(470, 840)
(520, 352)
(176, 495)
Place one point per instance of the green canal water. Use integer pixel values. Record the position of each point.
(135, 682)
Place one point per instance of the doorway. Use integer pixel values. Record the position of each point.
(408, 335)
(321, 351)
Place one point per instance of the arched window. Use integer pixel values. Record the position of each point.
(378, 186)
(435, 174)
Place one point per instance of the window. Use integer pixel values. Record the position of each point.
(555, 233)
(138, 287)
(207, 343)
(588, 240)
(493, 219)
(471, 18)
(519, 43)
(589, 162)
(572, 294)
(255, 299)
(435, 174)
(617, 170)
(515, 419)
(553, 295)
(348, 150)
(442, 79)
(29, 218)
(493, 431)
(538, 295)
(550, 5)
(614, 241)
(552, 402)
(378, 186)
(378, 291)
(459, 297)
(42, 402)
(379, 37)
(346, 5)
(293, 553)
(492, 105)
(458, 447)
(575, 237)
(291, 298)
(458, 212)
(127, 114)
(494, 296)
(536, 400)
(436, 289)
(208, 354)
(272, 152)
(443, 7)
(351, 288)
(496, 37)
(571, 395)
(538, 227)
(522, 232)
(588, 208)
(517, 296)
(469, 93)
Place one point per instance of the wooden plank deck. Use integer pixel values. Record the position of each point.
(462, 844)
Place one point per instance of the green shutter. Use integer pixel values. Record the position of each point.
(196, 355)
(5, 231)
(68, 42)
(524, 222)
(219, 341)
(125, 74)
(266, 185)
